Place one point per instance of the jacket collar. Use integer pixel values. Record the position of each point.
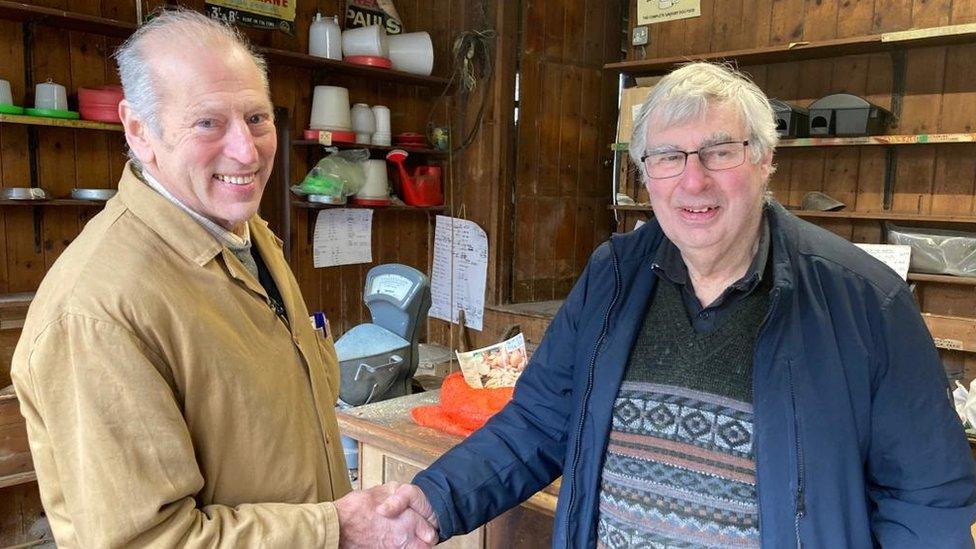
(174, 226)
(639, 247)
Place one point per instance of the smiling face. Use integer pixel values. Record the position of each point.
(218, 139)
(708, 213)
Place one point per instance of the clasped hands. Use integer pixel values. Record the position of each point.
(391, 515)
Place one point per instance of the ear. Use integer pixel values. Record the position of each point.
(136, 133)
(766, 165)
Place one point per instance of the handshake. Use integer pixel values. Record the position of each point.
(390, 515)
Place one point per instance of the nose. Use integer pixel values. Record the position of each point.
(695, 178)
(239, 144)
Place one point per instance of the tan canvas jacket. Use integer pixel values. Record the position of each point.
(166, 404)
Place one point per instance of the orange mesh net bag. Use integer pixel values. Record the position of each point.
(462, 409)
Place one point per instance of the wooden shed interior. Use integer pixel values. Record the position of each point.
(540, 173)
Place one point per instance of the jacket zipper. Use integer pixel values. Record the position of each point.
(589, 388)
(800, 502)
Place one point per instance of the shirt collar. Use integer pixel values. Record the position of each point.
(669, 264)
(225, 237)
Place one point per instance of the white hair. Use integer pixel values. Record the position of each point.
(686, 94)
(190, 29)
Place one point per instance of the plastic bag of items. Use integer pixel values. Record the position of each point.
(336, 176)
(937, 251)
(965, 404)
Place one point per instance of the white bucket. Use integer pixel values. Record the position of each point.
(330, 109)
(412, 52)
(381, 114)
(371, 41)
(377, 186)
(6, 98)
(49, 95)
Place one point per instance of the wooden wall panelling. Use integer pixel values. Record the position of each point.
(954, 182)
(726, 30)
(55, 146)
(121, 10)
(963, 11)
(550, 158)
(913, 184)
(892, 15)
(854, 18)
(931, 13)
(22, 518)
(785, 27)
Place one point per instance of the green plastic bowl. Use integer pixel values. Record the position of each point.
(52, 113)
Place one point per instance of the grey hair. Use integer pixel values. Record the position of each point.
(188, 27)
(686, 94)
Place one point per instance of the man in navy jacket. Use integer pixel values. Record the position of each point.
(726, 375)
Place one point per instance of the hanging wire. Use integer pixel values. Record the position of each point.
(471, 68)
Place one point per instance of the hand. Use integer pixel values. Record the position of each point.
(361, 526)
(408, 497)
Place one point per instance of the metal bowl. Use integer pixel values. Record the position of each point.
(326, 199)
(92, 194)
(24, 193)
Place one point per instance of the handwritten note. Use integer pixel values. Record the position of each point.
(343, 237)
(895, 256)
(460, 271)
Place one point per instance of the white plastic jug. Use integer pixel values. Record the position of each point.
(325, 37)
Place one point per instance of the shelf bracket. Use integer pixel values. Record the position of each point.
(891, 173)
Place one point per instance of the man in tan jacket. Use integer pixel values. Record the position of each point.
(175, 392)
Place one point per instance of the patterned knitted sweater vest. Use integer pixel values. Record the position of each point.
(679, 469)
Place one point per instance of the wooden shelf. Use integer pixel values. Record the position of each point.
(382, 148)
(812, 214)
(320, 206)
(796, 51)
(17, 11)
(53, 202)
(62, 19)
(943, 279)
(58, 122)
(17, 479)
(631, 207)
(16, 300)
(295, 59)
(887, 216)
(879, 140)
(861, 141)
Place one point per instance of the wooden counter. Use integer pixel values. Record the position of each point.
(394, 448)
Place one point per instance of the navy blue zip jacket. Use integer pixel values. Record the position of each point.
(857, 444)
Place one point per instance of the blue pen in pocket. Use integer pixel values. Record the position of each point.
(320, 323)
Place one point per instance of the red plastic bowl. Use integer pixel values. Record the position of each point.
(100, 113)
(370, 61)
(409, 138)
(101, 96)
(337, 136)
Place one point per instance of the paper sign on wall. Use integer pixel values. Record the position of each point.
(343, 237)
(262, 14)
(460, 271)
(657, 11)
(896, 256)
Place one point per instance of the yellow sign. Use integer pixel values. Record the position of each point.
(657, 11)
(279, 9)
(265, 14)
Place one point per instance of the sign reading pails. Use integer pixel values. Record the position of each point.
(845, 114)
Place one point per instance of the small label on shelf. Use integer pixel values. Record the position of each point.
(325, 138)
(945, 343)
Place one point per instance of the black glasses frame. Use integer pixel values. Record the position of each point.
(686, 154)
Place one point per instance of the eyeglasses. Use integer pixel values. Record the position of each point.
(720, 156)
